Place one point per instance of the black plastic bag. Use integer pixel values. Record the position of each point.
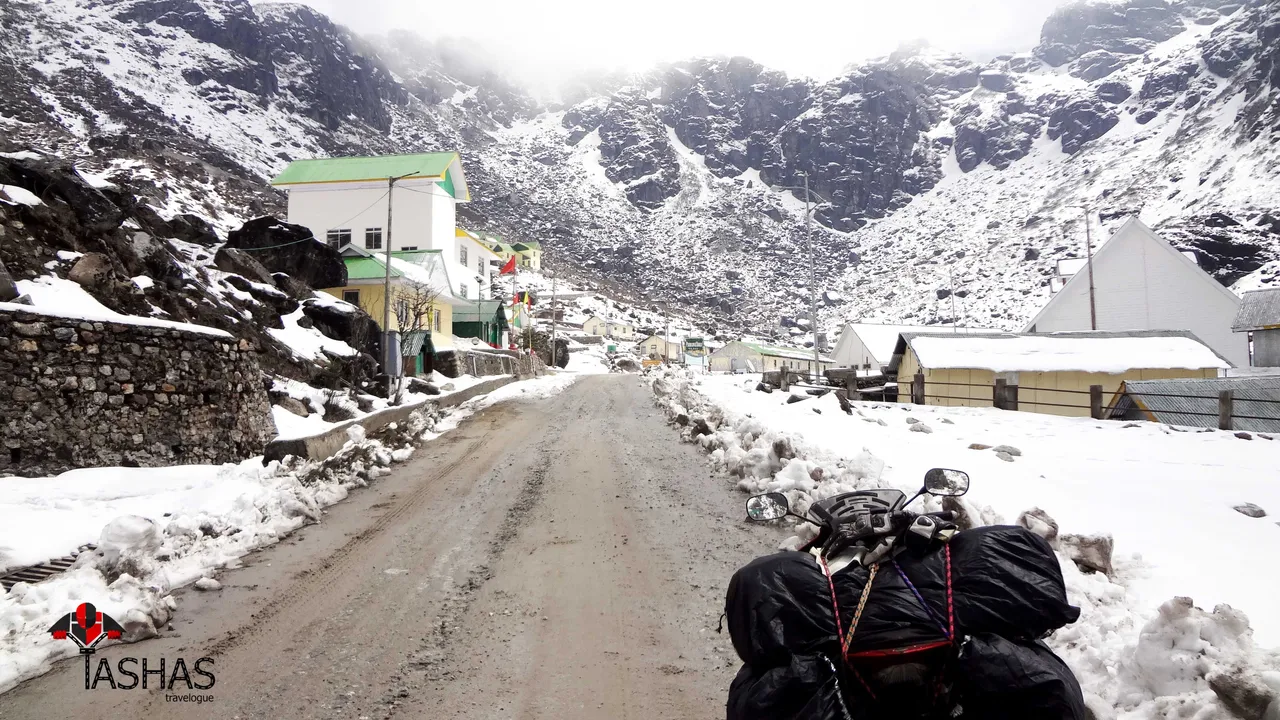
(1000, 679)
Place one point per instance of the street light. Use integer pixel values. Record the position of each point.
(386, 284)
(813, 281)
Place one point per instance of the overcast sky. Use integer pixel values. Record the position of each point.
(550, 40)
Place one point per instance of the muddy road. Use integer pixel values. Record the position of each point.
(558, 558)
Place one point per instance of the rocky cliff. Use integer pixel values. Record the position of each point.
(938, 175)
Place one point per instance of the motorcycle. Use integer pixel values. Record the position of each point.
(890, 613)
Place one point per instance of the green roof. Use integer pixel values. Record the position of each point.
(370, 268)
(527, 244)
(502, 247)
(787, 352)
(363, 169)
(480, 311)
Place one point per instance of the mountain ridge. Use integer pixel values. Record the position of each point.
(668, 187)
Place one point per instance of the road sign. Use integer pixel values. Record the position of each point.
(693, 345)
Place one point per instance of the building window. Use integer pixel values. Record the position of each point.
(373, 239)
(462, 255)
(409, 247)
(480, 265)
(462, 289)
(437, 320)
(338, 238)
(402, 311)
(351, 296)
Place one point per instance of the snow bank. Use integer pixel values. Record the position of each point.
(158, 529)
(307, 343)
(1138, 654)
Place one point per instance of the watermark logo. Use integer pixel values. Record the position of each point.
(87, 627)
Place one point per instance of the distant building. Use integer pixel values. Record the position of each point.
(617, 329)
(739, 356)
(1142, 283)
(1259, 320)
(869, 346)
(1052, 372)
(530, 252)
(659, 347)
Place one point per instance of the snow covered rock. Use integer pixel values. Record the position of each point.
(1090, 553)
(920, 427)
(1039, 522)
(208, 583)
(1250, 510)
(1244, 693)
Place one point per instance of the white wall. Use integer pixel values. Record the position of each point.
(851, 352)
(1142, 286)
(421, 220)
(478, 263)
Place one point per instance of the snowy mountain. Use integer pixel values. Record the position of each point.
(945, 179)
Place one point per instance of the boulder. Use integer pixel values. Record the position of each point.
(192, 229)
(418, 385)
(92, 270)
(1090, 553)
(1246, 695)
(1113, 92)
(239, 262)
(290, 249)
(293, 405)
(921, 428)
(1011, 450)
(796, 398)
(1250, 510)
(1039, 522)
(346, 323)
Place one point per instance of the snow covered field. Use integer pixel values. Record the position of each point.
(158, 529)
(1166, 497)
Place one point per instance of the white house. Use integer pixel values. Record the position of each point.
(344, 200)
(869, 346)
(1142, 283)
(617, 329)
(481, 264)
(658, 346)
(753, 357)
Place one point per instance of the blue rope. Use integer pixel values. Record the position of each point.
(941, 626)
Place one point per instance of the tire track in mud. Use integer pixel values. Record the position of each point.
(311, 583)
(431, 661)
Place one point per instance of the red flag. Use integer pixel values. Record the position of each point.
(510, 267)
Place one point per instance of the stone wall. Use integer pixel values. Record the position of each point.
(479, 363)
(78, 393)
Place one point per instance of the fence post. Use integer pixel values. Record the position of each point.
(1225, 401)
(1011, 396)
(1095, 402)
(997, 394)
(851, 384)
(917, 389)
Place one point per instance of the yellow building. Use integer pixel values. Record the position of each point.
(422, 296)
(530, 253)
(1052, 372)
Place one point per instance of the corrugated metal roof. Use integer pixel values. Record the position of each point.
(354, 169)
(1194, 402)
(1259, 310)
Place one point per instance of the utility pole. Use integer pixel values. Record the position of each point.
(553, 321)
(1088, 242)
(666, 338)
(608, 310)
(813, 282)
(951, 279)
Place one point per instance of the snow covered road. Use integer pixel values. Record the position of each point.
(562, 557)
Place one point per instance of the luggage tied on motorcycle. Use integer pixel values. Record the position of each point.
(948, 628)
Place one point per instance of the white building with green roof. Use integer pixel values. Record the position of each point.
(344, 201)
(739, 356)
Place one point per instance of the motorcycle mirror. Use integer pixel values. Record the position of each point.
(770, 506)
(947, 483)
